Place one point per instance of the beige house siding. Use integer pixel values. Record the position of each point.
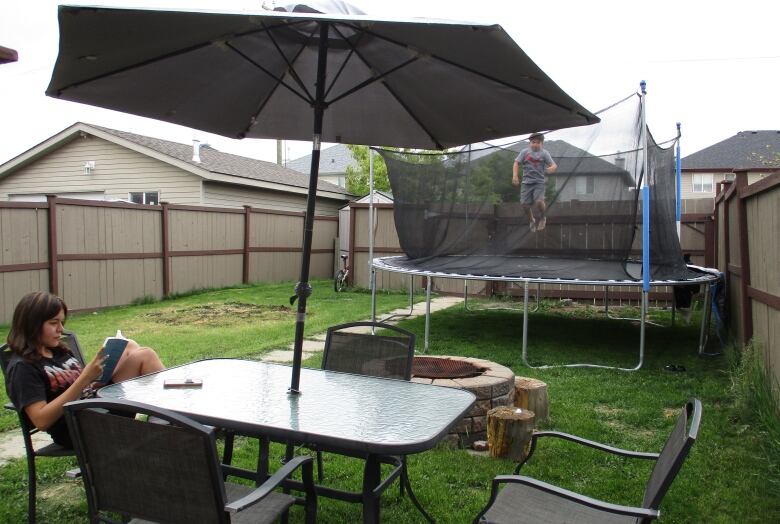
(687, 183)
(117, 172)
(227, 195)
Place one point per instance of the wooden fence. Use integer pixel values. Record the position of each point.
(99, 254)
(747, 246)
(697, 227)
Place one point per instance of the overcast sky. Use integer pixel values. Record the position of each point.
(712, 65)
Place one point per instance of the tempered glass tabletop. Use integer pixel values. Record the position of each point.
(335, 410)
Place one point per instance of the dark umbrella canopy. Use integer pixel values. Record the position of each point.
(345, 79)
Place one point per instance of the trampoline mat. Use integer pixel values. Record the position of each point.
(513, 267)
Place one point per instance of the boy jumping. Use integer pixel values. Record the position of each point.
(536, 163)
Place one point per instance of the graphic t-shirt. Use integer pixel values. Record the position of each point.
(47, 379)
(534, 163)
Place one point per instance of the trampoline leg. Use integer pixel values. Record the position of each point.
(642, 326)
(427, 314)
(606, 301)
(705, 324)
(466, 295)
(525, 324)
(373, 294)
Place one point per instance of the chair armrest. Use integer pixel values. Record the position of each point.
(596, 445)
(585, 442)
(617, 509)
(274, 481)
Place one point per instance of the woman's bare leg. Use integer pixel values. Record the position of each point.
(136, 361)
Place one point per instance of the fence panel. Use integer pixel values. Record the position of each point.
(108, 253)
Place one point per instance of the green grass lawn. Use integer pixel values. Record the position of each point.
(730, 476)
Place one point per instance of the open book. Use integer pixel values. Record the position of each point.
(114, 347)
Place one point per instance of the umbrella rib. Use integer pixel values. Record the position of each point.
(131, 67)
(290, 66)
(346, 59)
(279, 80)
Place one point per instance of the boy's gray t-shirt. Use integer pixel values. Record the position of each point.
(534, 163)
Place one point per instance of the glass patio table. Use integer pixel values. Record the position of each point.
(355, 415)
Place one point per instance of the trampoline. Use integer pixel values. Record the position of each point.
(612, 216)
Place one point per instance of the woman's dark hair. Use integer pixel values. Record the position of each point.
(31, 312)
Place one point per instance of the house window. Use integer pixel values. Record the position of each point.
(145, 197)
(584, 185)
(702, 183)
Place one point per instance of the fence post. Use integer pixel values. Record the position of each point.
(166, 258)
(352, 235)
(744, 258)
(247, 221)
(51, 200)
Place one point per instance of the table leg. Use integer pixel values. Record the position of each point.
(371, 478)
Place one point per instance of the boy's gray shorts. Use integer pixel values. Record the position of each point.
(530, 193)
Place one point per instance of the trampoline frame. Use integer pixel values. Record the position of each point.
(708, 277)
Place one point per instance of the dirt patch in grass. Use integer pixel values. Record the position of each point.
(607, 410)
(219, 314)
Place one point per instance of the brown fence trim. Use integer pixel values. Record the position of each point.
(760, 186)
(362, 249)
(52, 225)
(278, 212)
(351, 256)
(270, 249)
(30, 266)
(166, 262)
(207, 209)
(205, 252)
(247, 221)
(744, 258)
(107, 256)
(103, 203)
(769, 299)
(25, 205)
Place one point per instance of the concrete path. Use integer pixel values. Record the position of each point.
(12, 445)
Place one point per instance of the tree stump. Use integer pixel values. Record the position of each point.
(509, 432)
(531, 394)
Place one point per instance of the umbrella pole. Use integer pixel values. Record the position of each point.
(302, 288)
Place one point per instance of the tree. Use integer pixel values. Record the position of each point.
(357, 177)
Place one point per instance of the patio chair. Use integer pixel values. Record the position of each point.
(524, 499)
(169, 470)
(28, 429)
(357, 348)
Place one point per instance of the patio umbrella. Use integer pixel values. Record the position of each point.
(332, 78)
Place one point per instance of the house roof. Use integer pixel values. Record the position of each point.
(214, 165)
(333, 160)
(753, 150)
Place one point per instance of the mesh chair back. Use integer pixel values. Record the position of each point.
(352, 348)
(671, 458)
(158, 472)
(70, 340)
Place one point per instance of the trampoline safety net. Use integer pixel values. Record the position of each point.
(458, 212)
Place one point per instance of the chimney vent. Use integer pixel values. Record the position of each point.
(196, 151)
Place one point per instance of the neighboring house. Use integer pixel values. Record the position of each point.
(92, 162)
(758, 152)
(333, 164)
(597, 178)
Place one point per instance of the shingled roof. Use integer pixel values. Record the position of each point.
(333, 160)
(218, 162)
(751, 150)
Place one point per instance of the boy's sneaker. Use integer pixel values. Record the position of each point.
(532, 225)
(541, 223)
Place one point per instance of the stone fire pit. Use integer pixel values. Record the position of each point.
(493, 384)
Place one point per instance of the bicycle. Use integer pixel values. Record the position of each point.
(340, 282)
